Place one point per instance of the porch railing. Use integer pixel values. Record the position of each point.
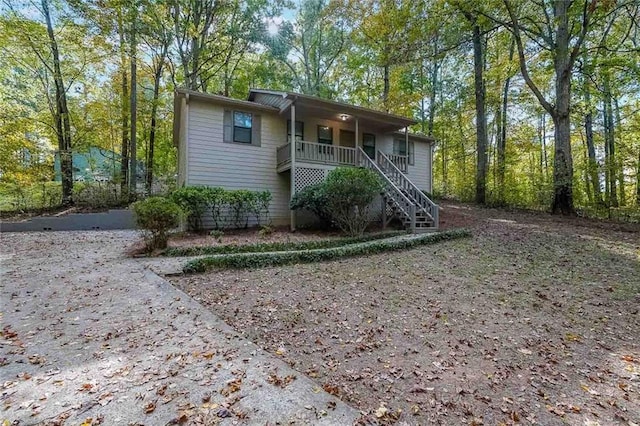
(401, 161)
(312, 152)
(409, 188)
(322, 153)
(283, 154)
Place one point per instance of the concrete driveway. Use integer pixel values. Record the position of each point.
(90, 336)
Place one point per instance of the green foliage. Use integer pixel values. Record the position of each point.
(260, 206)
(217, 234)
(48, 195)
(259, 260)
(157, 216)
(343, 198)
(314, 199)
(217, 201)
(193, 200)
(265, 231)
(233, 207)
(349, 193)
(26, 198)
(277, 246)
(619, 214)
(96, 195)
(240, 203)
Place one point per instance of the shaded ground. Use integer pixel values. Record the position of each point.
(88, 336)
(534, 321)
(249, 236)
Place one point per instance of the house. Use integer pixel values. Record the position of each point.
(247, 144)
(94, 165)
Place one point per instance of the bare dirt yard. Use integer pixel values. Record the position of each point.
(533, 320)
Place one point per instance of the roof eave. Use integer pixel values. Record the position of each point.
(224, 100)
(393, 119)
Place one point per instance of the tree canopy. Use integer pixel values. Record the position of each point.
(533, 103)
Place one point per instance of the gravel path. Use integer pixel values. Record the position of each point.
(90, 334)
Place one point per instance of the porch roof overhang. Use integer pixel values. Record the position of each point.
(336, 111)
(417, 137)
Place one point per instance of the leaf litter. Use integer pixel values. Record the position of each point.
(532, 321)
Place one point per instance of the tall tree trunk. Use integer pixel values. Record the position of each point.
(63, 125)
(134, 104)
(124, 108)
(432, 96)
(587, 178)
(544, 160)
(502, 133)
(386, 88)
(481, 118)
(423, 113)
(620, 166)
(563, 61)
(152, 130)
(638, 180)
(609, 141)
(563, 160)
(592, 164)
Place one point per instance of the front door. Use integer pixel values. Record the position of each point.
(347, 138)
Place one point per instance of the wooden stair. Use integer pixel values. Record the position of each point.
(402, 199)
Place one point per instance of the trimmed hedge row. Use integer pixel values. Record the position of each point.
(258, 260)
(277, 246)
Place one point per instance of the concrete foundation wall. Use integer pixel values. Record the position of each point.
(112, 219)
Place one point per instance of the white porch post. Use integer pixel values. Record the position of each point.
(293, 164)
(406, 145)
(356, 144)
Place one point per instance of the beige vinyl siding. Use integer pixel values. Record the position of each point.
(420, 172)
(182, 144)
(235, 165)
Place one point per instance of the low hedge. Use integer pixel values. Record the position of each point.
(258, 260)
(277, 246)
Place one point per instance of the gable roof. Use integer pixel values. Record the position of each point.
(280, 102)
(215, 99)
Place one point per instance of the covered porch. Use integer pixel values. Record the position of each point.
(331, 155)
(329, 133)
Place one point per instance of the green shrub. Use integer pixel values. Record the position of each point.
(240, 203)
(258, 260)
(277, 246)
(233, 207)
(260, 206)
(217, 234)
(218, 199)
(157, 216)
(265, 231)
(349, 192)
(97, 195)
(314, 199)
(194, 201)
